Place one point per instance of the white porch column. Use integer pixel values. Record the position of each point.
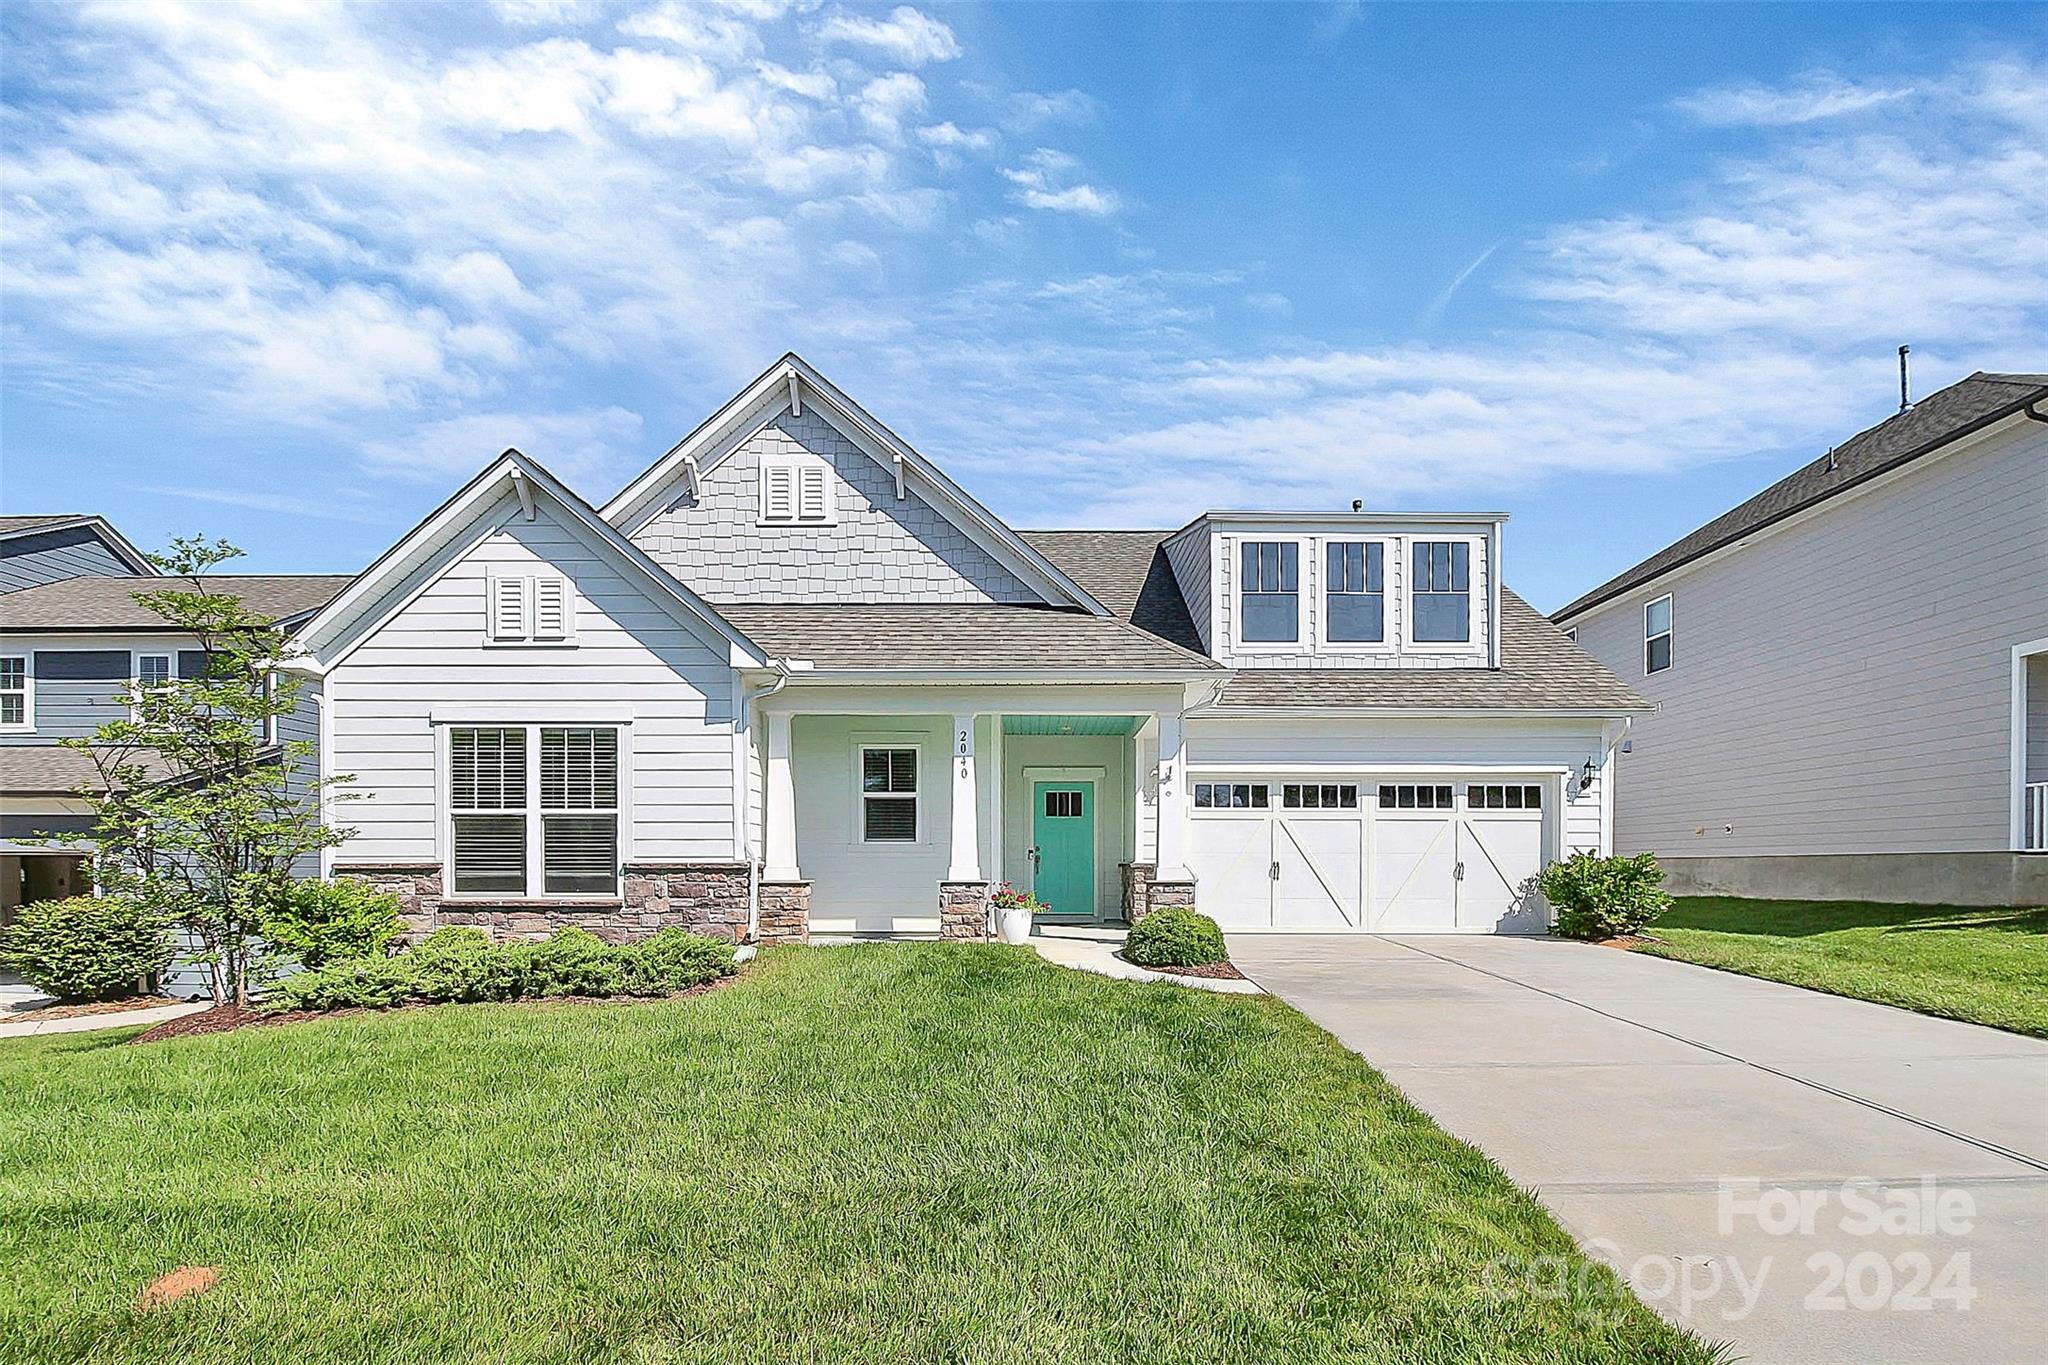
(965, 865)
(780, 855)
(1173, 800)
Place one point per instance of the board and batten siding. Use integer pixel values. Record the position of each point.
(880, 548)
(38, 557)
(1842, 684)
(630, 652)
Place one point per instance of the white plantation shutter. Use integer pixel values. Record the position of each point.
(508, 609)
(778, 492)
(551, 617)
(813, 490)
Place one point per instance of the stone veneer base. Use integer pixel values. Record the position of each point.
(785, 912)
(963, 910)
(702, 897)
(1143, 895)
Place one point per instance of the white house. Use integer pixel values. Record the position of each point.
(1851, 668)
(793, 679)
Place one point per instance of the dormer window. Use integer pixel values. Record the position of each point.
(1269, 597)
(796, 492)
(1355, 592)
(1440, 594)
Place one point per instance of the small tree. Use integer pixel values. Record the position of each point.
(198, 818)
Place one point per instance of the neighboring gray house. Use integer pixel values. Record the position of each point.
(794, 678)
(70, 647)
(1851, 669)
(46, 548)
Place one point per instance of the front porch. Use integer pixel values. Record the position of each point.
(885, 818)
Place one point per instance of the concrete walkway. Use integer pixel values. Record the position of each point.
(1086, 948)
(18, 1013)
(1695, 1129)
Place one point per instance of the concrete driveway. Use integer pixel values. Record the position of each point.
(1695, 1130)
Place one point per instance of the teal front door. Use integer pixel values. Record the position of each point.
(1063, 847)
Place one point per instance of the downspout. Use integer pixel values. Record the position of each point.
(749, 709)
(2029, 411)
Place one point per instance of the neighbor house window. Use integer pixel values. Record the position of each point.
(1572, 633)
(1657, 635)
(795, 492)
(1268, 595)
(1355, 591)
(504, 809)
(888, 796)
(14, 707)
(1441, 593)
(152, 670)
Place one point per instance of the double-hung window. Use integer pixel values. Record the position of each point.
(1355, 591)
(14, 692)
(534, 829)
(1440, 594)
(1268, 595)
(888, 795)
(1657, 634)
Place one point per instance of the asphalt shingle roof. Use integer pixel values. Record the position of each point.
(952, 635)
(52, 770)
(108, 603)
(1933, 422)
(9, 525)
(1127, 572)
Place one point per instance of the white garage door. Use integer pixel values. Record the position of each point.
(1386, 857)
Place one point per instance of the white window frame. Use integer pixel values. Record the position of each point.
(1476, 595)
(532, 811)
(798, 468)
(27, 693)
(529, 611)
(1302, 642)
(1387, 643)
(861, 745)
(135, 686)
(1668, 635)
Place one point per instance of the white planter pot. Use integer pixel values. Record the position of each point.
(1015, 924)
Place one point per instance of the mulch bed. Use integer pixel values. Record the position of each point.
(1215, 971)
(1627, 941)
(139, 1002)
(226, 1018)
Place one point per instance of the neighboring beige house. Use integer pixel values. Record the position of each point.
(794, 679)
(1851, 669)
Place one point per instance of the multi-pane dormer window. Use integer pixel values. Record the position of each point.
(1269, 594)
(1355, 592)
(1440, 593)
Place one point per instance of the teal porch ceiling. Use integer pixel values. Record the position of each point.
(1070, 725)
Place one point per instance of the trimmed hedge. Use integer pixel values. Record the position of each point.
(1600, 898)
(460, 965)
(1174, 937)
(88, 947)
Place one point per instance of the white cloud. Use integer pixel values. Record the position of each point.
(908, 35)
(887, 101)
(1046, 181)
(1029, 110)
(1819, 95)
(586, 444)
(950, 136)
(535, 13)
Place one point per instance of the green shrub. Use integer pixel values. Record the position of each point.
(375, 982)
(462, 964)
(317, 922)
(1600, 898)
(672, 960)
(88, 947)
(1174, 937)
(572, 962)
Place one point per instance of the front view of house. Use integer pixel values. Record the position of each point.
(793, 680)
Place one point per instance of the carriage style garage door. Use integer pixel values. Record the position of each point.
(1403, 856)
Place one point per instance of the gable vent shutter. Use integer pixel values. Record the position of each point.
(813, 489)
(550, 609)
(778, 492)
(508, 608)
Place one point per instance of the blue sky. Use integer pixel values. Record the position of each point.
(290, 274)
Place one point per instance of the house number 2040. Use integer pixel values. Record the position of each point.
(963, 748)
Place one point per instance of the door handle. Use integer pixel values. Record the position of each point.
(1032, 853)
(1273, 871)
(1458, 873)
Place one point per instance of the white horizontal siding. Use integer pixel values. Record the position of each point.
(1842, 684)
(629, 651)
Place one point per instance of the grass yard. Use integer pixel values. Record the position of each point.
(904, 1153)
(1986, 966)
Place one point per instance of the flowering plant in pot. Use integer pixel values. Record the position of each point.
(1014, 910)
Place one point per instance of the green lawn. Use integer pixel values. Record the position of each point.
(903, 1153)
(1987, 966)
